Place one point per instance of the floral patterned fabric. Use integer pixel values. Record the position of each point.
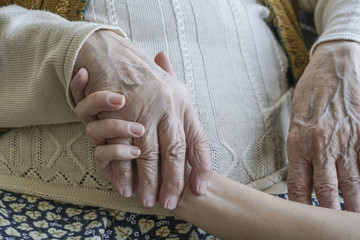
(29, 217)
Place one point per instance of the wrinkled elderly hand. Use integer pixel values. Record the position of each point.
(323, 143)
(160, 103)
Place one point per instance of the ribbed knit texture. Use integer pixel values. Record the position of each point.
(222, 49)
(335, 20)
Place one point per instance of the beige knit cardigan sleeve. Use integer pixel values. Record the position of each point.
(334, 19)
(38, 50)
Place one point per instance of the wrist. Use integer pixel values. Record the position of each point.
(188, 199)
(336, 45)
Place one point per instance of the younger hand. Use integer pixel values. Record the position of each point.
(110, 159)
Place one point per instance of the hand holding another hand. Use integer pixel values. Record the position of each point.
(155, 100)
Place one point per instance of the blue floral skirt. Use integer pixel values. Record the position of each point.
(29, 217)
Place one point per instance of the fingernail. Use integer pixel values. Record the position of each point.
(116, 99)
(171, 203)
(80, 70)
(202, 188)
(127, 191)
(150, 202)
(136, 128)
(134, 151)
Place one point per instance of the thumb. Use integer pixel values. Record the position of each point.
(162, 60)
(78, 84)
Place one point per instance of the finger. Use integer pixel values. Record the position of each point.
(98, 102)
(349, 180)
(101, 130)
(162, 60)
(78, 84)
(121, 171)
(123, 180)
(147, 167)
(172, 152)
(326, 181)
(197, 152)
(299, 176)
(104, 154)
(113, 161)
(299, 181)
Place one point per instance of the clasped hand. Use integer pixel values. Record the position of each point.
(153, 119)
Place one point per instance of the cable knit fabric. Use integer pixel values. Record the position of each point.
(225, 52)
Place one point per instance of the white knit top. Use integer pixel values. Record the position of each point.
(225, 52)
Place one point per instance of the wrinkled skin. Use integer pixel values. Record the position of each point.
(323, 142)
(160, 103)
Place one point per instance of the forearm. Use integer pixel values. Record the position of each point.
(234, 211)
(38, 50)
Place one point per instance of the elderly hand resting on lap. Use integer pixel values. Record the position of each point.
(156, 122)
(323, 143)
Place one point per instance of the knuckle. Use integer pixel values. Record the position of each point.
(122, 172)
(118, 126)
(119, 140)
(202, 148)
(100, 97)
(202, 141)
(164, 92)
(176, 91)
(147, 169)
(297, 168)
(176, 151)
(99, 153)
(205, 167)
(294, 151)
(326, 189)
(149, 155)
(120, 153)
(149, 183)
(296, 190)
(90, 130)
(350, 184)
(175, 185)
(316, 133)
(96, 95)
